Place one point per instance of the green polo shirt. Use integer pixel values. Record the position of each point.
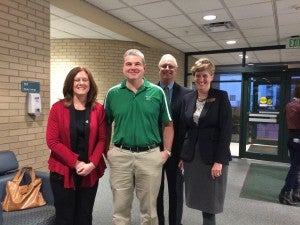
(138, 116)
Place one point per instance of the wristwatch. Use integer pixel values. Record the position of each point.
(168, 152)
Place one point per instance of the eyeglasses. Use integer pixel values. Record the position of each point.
(165, 66)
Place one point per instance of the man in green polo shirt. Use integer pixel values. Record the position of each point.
(139, 109)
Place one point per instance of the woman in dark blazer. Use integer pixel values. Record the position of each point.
(206, 122)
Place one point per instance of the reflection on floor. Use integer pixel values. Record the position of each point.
(263, 149)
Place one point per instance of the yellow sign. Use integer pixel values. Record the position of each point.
(263, 100)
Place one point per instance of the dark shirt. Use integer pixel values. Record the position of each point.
(80, 128)
(292, 111)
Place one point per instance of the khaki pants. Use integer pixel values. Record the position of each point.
(140, 171)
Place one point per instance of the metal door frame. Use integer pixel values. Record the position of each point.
(284, 78)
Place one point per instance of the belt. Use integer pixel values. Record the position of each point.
(296, 140)
(136, 148)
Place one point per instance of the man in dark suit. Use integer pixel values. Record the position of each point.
(168, 69)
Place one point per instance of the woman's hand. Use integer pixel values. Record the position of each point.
(216, 170)
(85, 169)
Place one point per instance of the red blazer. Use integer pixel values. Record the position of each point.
(62, 159)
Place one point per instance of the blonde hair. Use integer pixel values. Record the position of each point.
(203, 64)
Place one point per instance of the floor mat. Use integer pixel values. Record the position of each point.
(263, 182)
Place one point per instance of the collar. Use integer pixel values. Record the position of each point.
(170, 86)
(146, 84)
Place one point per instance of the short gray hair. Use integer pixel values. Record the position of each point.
(135, 52)
(169, 56)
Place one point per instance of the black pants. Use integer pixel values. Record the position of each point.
(73, 207)
(175, 189)
(291, 181)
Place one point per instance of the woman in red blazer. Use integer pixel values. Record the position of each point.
(76, 136)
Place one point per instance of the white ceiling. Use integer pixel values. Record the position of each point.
(179, 24)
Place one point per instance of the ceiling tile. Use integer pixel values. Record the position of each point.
(172, 40)
(287, 6)
(127, 14)
(185, 47)
(259, 32)
(158, 9)
(288, 31)
(196, 38)
(262, 41)
(205, 45)
(183, 31)
(233, 3)
(160, 33)
(225, 35)
(192, 6)
(252, 11)
(173, 21)
(287, 19)
(256, 22)
(271, 55)
(222, 59)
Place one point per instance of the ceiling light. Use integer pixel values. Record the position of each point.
(209, 17)
(242, 56)
(231, 42)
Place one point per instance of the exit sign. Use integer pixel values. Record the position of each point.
(293, 42)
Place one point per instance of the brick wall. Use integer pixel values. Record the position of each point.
(24, 55)
(104, 58)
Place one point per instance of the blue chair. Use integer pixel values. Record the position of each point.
(43, 215)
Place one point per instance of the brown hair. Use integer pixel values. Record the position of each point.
(68, 87)
(203, 64)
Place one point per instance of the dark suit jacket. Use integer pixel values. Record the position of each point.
(175, 105)
(212, 136)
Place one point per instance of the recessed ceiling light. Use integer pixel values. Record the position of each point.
(209, 17)
(242, 56)
(231, 42)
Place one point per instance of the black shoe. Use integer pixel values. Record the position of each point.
(296, 195)
(286, 198)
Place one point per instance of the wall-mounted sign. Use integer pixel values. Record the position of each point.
(30, 86)
(293, 42)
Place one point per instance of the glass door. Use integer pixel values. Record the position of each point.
(263, 116)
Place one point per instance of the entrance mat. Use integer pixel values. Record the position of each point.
(264, 182)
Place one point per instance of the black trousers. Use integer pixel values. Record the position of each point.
(291, 180)
(73, 207)
(175, 189)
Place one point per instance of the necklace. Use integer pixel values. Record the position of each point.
(201, 99)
